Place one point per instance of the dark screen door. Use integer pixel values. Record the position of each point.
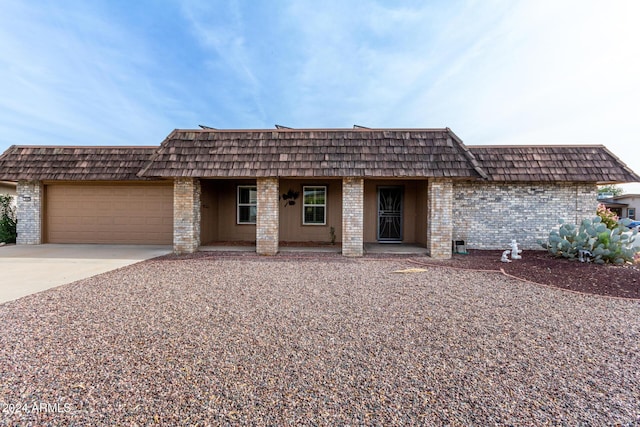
(390, 214)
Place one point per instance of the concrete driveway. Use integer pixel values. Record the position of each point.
(29, 269)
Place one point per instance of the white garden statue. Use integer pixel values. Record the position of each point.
(505, 256)
(515, 252)
(584, 255)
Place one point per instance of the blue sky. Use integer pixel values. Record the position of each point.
(495, 71)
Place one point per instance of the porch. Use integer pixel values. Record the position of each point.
(352, 216)
(288, 248)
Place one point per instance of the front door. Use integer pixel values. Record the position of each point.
(390, 214)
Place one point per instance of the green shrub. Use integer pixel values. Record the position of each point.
(610, 219)
(8, 230)
(606, 245)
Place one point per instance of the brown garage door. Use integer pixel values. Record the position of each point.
(131, 214)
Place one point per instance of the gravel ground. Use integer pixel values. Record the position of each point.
(284, 341)
(541, 267)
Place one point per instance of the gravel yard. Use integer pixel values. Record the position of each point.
(326, 341)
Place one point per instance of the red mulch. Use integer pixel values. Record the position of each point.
(541, 267)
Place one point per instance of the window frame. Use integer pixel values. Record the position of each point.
(239, 204)
(315, 205)
(631, 213)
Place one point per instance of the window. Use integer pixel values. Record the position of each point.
(631, 213)
(314, 205)
(247, 204)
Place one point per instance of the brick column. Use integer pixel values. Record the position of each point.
(268, 217)
(440, 218)
(352, 217)
(29, 210)
(186, 215)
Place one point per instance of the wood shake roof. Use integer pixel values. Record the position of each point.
(559, 163)
(73, 163)
(313, 153)
(361, 152)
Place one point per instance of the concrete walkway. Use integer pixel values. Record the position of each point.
(369, 248)
(27, 269)
(394, 249)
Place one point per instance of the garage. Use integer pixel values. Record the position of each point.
(108, 213)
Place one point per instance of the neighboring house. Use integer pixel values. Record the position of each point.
(8, 187)
(625, 205)
(420, 186)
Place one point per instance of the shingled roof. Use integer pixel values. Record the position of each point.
(557, 163)
(313, 153)
(410, 153)
(73, 163)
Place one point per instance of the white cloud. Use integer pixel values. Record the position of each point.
(353, 68)
(74, 76)
(544, 72)
(220, 29)
(526, 72)
(498, 72)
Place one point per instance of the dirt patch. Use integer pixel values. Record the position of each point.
(540, 267)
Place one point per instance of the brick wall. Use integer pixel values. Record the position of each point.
(586, 201)
(352, 217)
(29, 212)
(267, 221)
(439, 218)
(186, 215)
(489, 215)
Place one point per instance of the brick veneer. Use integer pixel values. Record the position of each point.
(186, 215)
(586, 201)
(352, 217)
(489, 215)
(29, 204)
(267, 221)
(439, 218)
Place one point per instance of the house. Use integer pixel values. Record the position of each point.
(625, 205)
(420, 186)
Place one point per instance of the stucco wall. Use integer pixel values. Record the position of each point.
(291, 227)
(219, 212)
(633, 200)
(8, 188)
(489, 215)
(422, 210)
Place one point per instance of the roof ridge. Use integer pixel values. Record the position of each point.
(469, 155)
(623, 164)
(313, 130)
(155, 154)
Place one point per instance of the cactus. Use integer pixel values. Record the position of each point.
(607, 245)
